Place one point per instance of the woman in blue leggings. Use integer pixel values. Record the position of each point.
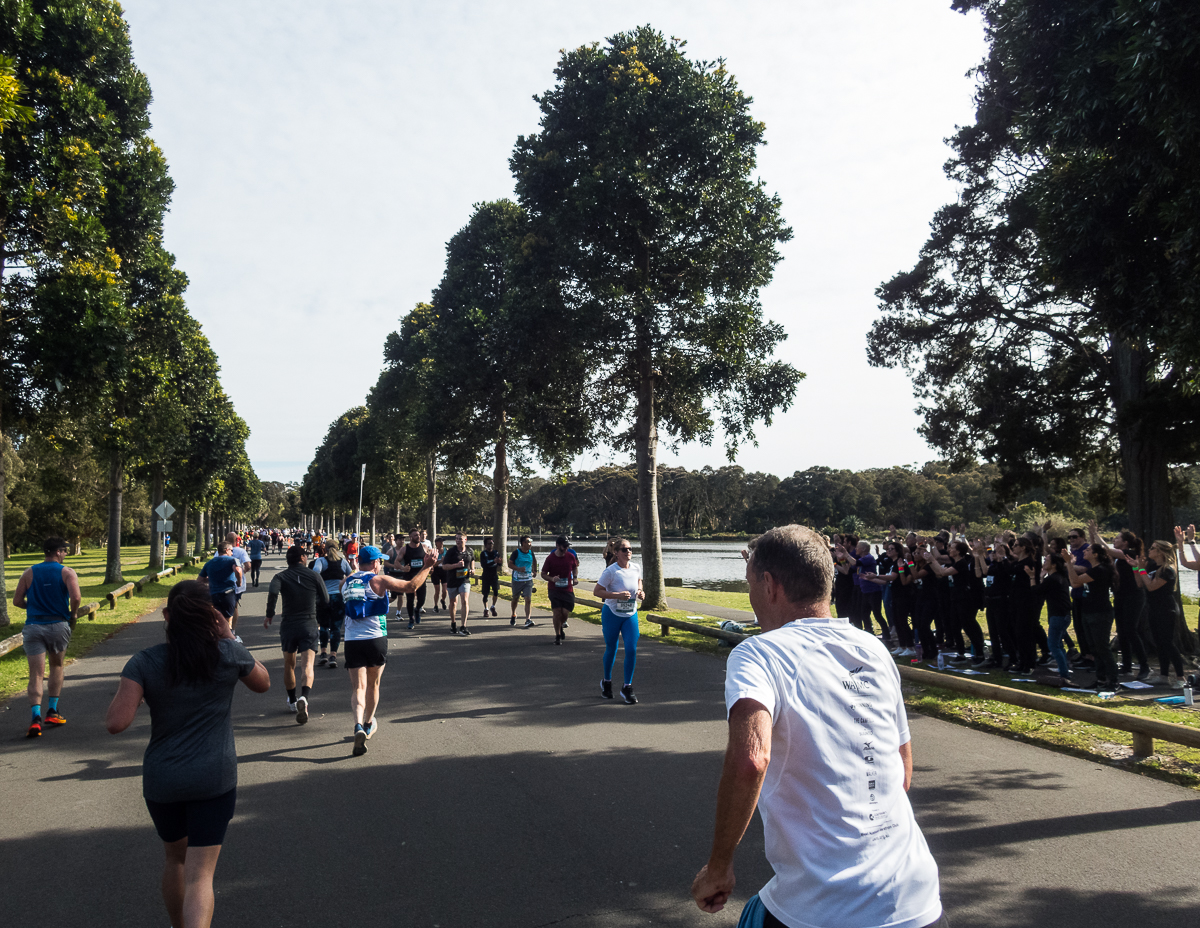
(620, 586)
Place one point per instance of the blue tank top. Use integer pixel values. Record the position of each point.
(523, 565)
(47, 599)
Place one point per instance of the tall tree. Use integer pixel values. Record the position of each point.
(640, 179)
(1051, 317)
(508, 357)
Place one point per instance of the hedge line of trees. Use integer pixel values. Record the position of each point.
(108, 386)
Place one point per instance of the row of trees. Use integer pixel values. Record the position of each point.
(99, 358)
(730, 500)
(615, 300)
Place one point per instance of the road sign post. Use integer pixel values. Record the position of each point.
(164, 511)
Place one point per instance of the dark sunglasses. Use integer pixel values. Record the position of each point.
(625, 549)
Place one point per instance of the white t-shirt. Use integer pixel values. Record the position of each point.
(840, 833)
(616, 578)
(243, 559)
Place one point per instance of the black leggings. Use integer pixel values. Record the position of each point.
(1128, 637)
(899, 611)
(1162, 627)
(255, 567)
(332, 622)
(415, 601)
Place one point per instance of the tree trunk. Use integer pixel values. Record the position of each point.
(646, 446)
(373, 524)
(4, 619)
(181, 547)
(156, 538)
(396, 530)
(500, 494)
(431, 495)
(1145, 460)
(116, 491)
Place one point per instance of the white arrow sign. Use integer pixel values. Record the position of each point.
(165, 510)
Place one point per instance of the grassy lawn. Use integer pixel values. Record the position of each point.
(14, 672)
(711, 597)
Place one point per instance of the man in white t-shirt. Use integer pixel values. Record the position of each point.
(822, 700)
(239, 554)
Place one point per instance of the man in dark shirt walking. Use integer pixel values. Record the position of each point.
(303, 593)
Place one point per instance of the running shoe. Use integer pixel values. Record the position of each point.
(372, 728)
(979, 662)
(322, 660)
(906, 652)
(1175, 683)
(564, 623)
(557, 638)
(301, 710)
(1143, 672)
(332, 661)
(1155, 679)
(606, 689)
(453, 628)
(464, 631)
(1045, 660)
(529, 623)
(411, 625)
(627, 694)
(360, 741)
(35, 729)
(54, 719)
(493, 612)
(563, 634)
(513, 620)
(291, 704)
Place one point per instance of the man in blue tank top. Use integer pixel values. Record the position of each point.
(49, 594)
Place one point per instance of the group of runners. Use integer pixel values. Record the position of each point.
(336, 594)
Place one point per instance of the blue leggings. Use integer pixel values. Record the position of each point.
(619, 626)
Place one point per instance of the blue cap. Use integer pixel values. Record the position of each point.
(370, 553)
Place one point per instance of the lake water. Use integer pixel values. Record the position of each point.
(706, 565)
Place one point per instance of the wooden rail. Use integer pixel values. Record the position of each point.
(125, 589)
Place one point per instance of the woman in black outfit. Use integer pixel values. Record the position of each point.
(1158, 575)
(962, 603)
(1096, 610)
(1055, 592)
(1024, 608)
(924, 603)
(996, 570)
(900, 596)
(1129, 599)
(189, 773)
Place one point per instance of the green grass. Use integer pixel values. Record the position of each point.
(711, 597)
(14, 670)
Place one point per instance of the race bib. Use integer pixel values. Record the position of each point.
(520, 575)
(623, 606)
(416, 563)
(561, 582)
(462, 573)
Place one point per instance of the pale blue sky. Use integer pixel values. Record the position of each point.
(323, 153)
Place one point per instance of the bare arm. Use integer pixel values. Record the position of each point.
(22, 588)
(123, 708)
(71, 582)
(381, 582)
(906, 759)
(257, 680)
(747, 756)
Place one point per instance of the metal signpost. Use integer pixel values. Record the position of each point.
(358, 514)
(164, 511)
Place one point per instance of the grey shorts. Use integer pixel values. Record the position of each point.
(522, 588)
(51, 636)
(452, 591)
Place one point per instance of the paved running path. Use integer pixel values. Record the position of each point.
(721, 612)
(502, 791)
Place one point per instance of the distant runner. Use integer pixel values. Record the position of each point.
(332, 568)
(223, 574)
(559, 571)
(239, 554)
(255, 548)
(303, 596)
(439, 576)
(620, 586)
(408, 561)
(523, 564)
(489, 562)
(49, 593)
(459, 565)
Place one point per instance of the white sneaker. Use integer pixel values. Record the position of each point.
(291, 704)
(1157, 679)
(907, 652)
(529, 623)
(1175, 683)
(372, 728)
(301, 710)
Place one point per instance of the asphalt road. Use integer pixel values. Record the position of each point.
(502, 790)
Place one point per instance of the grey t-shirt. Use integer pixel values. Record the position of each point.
(191, 754)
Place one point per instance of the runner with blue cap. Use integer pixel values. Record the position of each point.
(365, 596)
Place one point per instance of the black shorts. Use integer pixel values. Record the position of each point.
(225, 603)
(299, 636)
(490, 582)
(562, 599)
(366, 652)
(438, 575)
(201, 821)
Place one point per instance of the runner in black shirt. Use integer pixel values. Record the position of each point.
(996, 569)
(489, 561)
(1158, 576)
(1024, 608)
(407, 561)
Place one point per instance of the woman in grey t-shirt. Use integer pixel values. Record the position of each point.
(189, 773)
